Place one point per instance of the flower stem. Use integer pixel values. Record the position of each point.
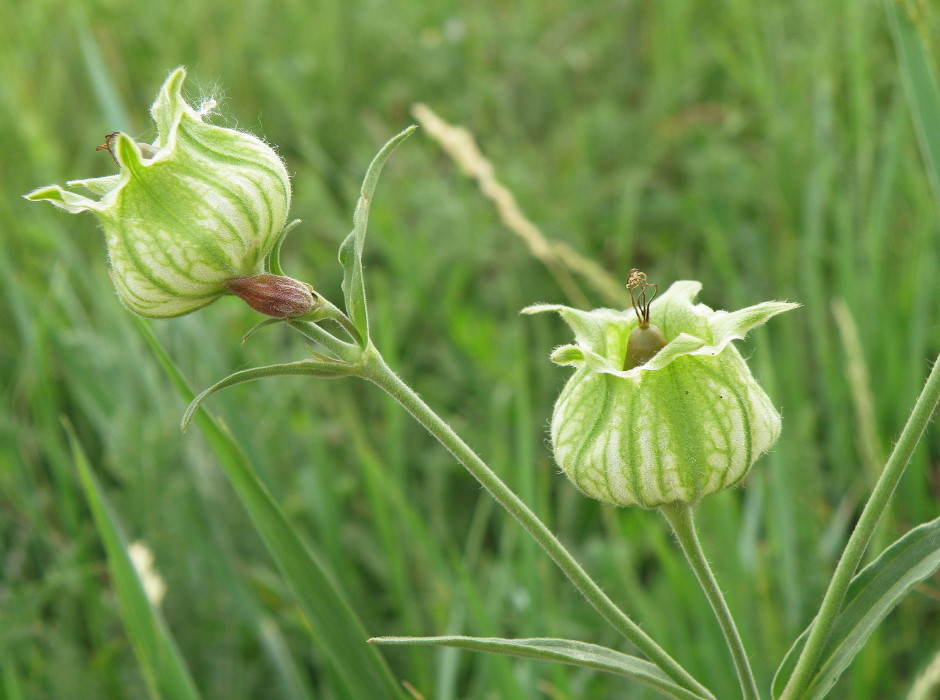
(344, 351)
(374, 369)
(861, 536)
(334, 313)
(680, 519)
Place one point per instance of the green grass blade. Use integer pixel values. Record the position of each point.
(872, 594)
(275, 648)
(566, 651)
(920, 82)
(164, 669)
(9, 682)
(336, 629)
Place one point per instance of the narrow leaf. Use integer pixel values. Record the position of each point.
(873, 593)
(915, 64)
(273, 262)
(163, 668)
(350, 252)
(564, 651)
(354, 291)
(336, 629)
(324, 368)
(258, 326)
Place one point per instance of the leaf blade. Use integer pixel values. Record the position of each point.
(872, 595)
(915, 66)
(566, 651)
(336, 629)
(327, 369)
(350, 251)
(272, 263)
(164, 670)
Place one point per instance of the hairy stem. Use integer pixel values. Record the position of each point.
(858, 542)
(342, 350)
(680, 519)
(374, 369)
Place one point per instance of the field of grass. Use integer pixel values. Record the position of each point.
(766, 149)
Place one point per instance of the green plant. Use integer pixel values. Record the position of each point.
(342, 346)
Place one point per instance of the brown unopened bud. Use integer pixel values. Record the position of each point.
(274, 295)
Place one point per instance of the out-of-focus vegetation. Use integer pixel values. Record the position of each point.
(764, 149)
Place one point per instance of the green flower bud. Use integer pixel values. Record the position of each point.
(203, 204)
(689, 421)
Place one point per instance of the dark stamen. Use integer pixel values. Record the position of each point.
(108, 142)
(637, 284)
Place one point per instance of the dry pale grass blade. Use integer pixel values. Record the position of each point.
(560, 258)
(927, 684)
(612, 291)
(856, 370)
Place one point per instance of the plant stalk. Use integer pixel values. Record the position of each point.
(342, 350)
(681, 520)
(858, 541)
(375, 369)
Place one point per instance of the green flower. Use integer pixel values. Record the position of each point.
(202, 205)
(689, 421)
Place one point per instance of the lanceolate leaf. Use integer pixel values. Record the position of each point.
(160, 661)
(350, 252)
(873, 593)
(915, 65)
(309, 368)
(273, 262)
(565, 651)
(258, 326)
(338, 632)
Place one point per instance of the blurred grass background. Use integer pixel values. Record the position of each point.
(766, 150)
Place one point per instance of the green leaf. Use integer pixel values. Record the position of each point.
(565, 651)
(273, 262)
(873, 593)
(324, 368)
(335, 628)
(920, 82)
(164, 669)
(258, 326)
(350, 252)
